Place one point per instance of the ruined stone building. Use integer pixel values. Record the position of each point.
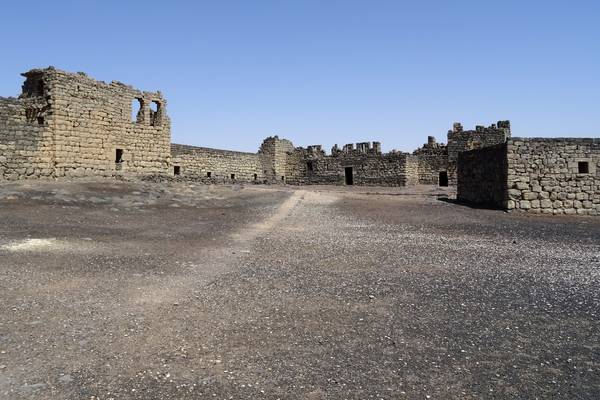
(69, 125)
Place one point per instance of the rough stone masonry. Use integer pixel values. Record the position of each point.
(535, 175)
(69, 125)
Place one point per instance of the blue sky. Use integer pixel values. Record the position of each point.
(325, 72)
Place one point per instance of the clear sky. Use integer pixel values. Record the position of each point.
(325, 72)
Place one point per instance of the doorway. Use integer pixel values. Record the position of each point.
(443, 179)
(349, 176)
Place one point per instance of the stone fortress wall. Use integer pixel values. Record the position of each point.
(363, 165)
(67, 124)
(554, 176)
(216, 166)
(277, 161)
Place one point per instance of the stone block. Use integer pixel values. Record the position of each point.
(525, 204)
(546, 203)
(521, 185)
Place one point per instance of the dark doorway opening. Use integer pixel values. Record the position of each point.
(176, 170)
(232, 176)
(443, 179)
(309, 166)
(119, 156)
(208, 174)
(255, 176)
(349, 176)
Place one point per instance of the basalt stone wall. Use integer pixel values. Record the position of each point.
(460, 140)
(554, 176)
(213, 166)
(93, 121)
(430, 167)
(432, 162)
(274, 156)
(482, 176)
(25, 138)
(366, 164)
(68, 124)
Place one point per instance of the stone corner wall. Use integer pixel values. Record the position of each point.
(554, 175)
(365, 164)
(274, 153)
(460, 140)
(482, 176)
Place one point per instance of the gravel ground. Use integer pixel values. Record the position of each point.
(125, 290)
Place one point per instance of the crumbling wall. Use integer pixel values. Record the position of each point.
(368, 166)
(433, 160)
(25, 139)
(482, 176)
(554, 176)
(460, 140)
(26, 145)
(67, 124)
(93, 119)
(213, 166)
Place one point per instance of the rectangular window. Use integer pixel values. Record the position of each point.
(119, 156)
(208, 174)
(177, 170)
(583, 167)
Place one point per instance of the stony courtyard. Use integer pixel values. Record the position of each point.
(144, 290)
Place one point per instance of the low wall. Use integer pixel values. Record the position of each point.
(554, 176)
(482, 175)
(212, 165)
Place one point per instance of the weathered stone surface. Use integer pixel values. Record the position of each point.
(482, 178)
(366, 165)
(67, 124)
(460, 140)
(566, 170)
